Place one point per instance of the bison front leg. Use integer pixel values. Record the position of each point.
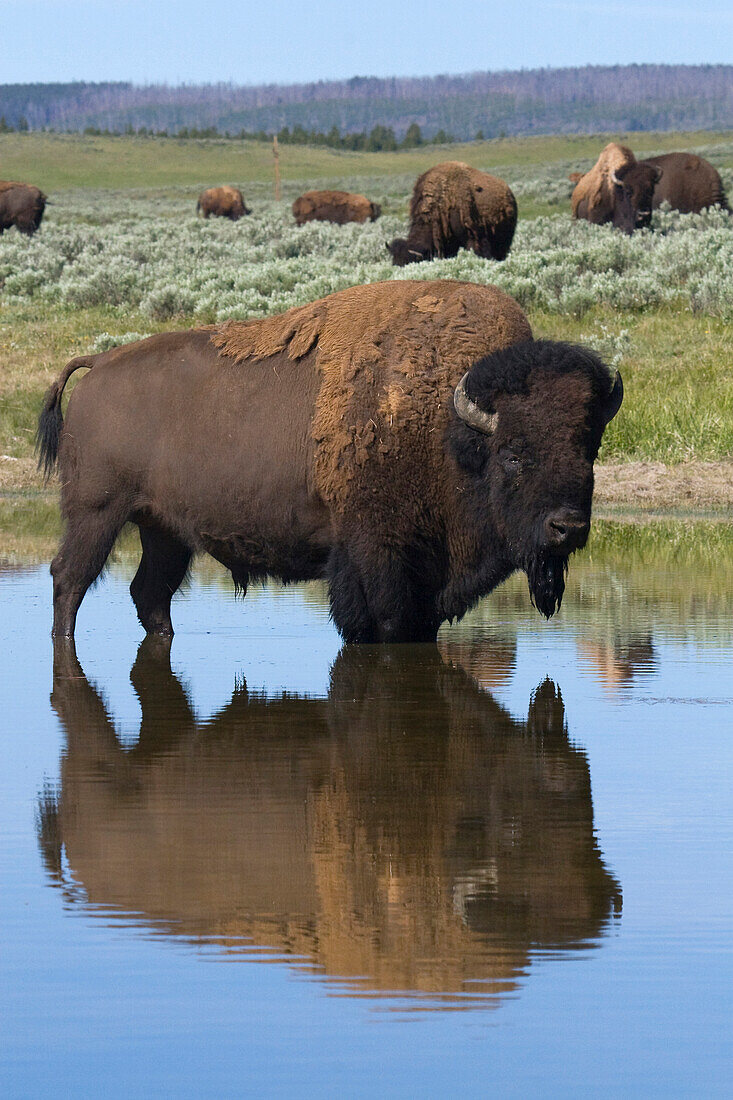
(162, 568)
(378, 597)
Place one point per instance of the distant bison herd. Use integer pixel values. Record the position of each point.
(408, 442)
(455, 206)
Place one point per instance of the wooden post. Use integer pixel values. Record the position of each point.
(276, 155)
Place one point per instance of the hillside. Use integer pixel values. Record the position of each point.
(541, 101)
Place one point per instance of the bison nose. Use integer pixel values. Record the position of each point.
(566, 530)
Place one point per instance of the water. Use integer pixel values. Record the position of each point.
(256, 864)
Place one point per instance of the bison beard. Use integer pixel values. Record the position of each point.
(546, 575)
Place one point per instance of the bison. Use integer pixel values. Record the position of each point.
(339, 207)
(618, 189)
(408, 441)
(405, 832)
(688, 183)
(21, 205)
(222, 202)
(455, 206)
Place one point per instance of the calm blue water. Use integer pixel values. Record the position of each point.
(504, 867)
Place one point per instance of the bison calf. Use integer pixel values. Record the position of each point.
(408, 441)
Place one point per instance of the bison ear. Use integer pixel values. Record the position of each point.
(613, 402)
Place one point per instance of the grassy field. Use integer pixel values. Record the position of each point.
(64, 161)
(121, 251)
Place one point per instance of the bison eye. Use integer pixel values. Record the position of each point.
(510, 460)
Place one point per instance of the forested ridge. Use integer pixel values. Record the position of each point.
(492, 104)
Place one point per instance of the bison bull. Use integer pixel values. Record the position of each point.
(339, 207)
(408, 441)
(618, 189)
(22, 206)
(454, 206)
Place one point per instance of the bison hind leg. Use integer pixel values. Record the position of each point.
(161, 572)
(88, 540)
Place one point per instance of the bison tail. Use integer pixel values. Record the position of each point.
(51, 421)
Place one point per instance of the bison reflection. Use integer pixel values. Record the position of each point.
(404, 834)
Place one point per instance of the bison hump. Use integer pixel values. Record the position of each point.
(389, 356)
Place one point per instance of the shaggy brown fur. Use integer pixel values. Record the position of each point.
(222, 202)
(689, 183)
(21, 205)
(627, 205)
(390, 862)
(334, 206)
(455, 206)
(378, 377)
(325, 442)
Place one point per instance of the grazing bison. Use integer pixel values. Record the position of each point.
(455, 206)
(222, 202)
(409, 441)
(403, 833)
(334, 206)
(21, 205)
(688, 183)
(618, 189)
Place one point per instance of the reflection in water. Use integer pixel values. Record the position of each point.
(619, 662)
(404, 834)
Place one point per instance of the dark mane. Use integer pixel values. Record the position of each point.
(507, 371)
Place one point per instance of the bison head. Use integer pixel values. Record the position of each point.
(406, 252)
(375, 211)
(633, 191)
(532, 420)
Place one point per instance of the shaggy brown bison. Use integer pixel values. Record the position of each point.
(222, 202)
(455, 206)
(618, 189)
(688, 183)
(334, 206)
(403, 833)
(21, 205)
(409, 441)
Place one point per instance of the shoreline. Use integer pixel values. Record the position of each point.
(634, 493)
(691, 488)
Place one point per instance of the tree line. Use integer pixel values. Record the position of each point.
(572, 100)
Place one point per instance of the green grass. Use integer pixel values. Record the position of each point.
(63, 161)
(678, 383)
(678, 374)
(677, 365)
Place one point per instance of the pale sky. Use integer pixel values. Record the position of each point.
(281, 41)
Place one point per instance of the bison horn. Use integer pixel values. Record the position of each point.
(469, 411)
(616, 180)
(614, 399)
